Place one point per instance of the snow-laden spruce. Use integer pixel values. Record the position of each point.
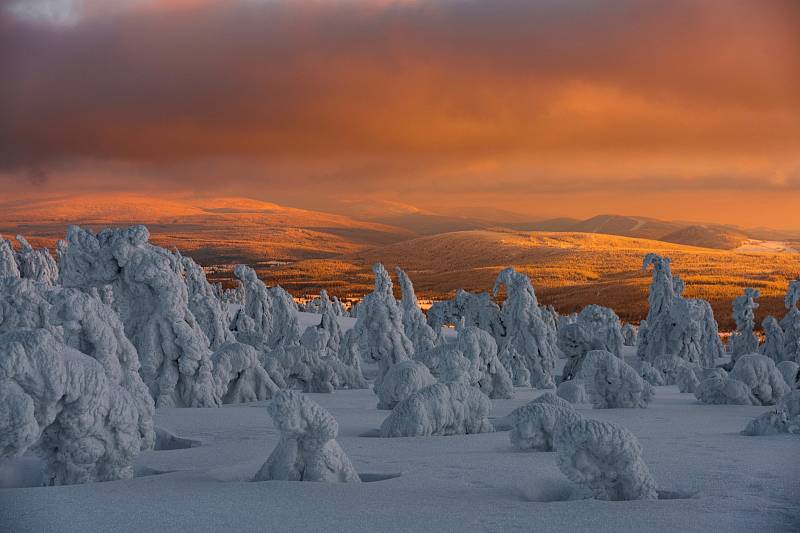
(253, 322)
(307, 450)
(58, 402)
(440, 409)
(526, 349)
(595, 328)
(774, 340)
(744, 340)
(153, 304)
(612, 383)
(791, 323)
(415, 324)
(629, 334)
(790, 372)
(8, 261)
(783, 418)
(676, 326)
(471, 309)
(239, 376)
(754, 380)
(341, 352)
(572, 391)
(36, 265)
(603, 458)
(206, 305)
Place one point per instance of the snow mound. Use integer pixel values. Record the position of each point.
(440, 409)
(784, 418)
(307, 450)
(604, 458)
(760, 375)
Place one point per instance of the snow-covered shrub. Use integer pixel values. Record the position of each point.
(480, 348)
(604, 458)
(534, 424)
(687, 380)
(676, 326)
(759, 373)
(774, 340)
(528, 339)
(651, 374)
(58, 401)
(153, 304)
(440, 409)
(572, 391)
(307, 450)
(719, 388)
(206, 305)
(612, 383)
(239, 376)
(595, 328)
(415, 325)
(744, 340)
(471, 309)
(791, 323)
(783, 418)
(790, 372)
(401, 381)
(8, 261)
(629, 334)
(36, 265)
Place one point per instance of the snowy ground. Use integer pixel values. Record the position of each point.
(753, 245)
(727, 482)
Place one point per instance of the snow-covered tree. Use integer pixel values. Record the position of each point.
(36, 265)
(783, 418)
(59, 402)
(153, 304)
(253, 322)
(534, 425)
(8, 261)
(603, 458)
(791, 323)
(744, 340)
(401, 381)
(595, 328)
(206, 305)
(629, 334)
(687, 379)
(415, 325)
(754, 380)
(675, 325)
(440, 409)
(612, 383)
(651, 374)
(471, 309)
(774, 340)
(307, 450)
(790, 372)
(527, 338)
(239, 376)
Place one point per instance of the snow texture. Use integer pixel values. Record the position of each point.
(744, 340)
(239, 376)
(604, 458)
(612, 383)
(59, 403)
(415, 324)
(307, 450)
(528, 341)
(440, 409)
(573, 392)
(534, 425)
(784, 418)
(675, 325)
(153, 304)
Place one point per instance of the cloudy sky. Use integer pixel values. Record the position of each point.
(673, 108)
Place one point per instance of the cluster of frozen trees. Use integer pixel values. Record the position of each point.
(782, 339)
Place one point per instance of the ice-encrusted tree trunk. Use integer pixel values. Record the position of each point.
(153, 303)
(527, 337)
(60, 403)
(604, 458)
(307, 450)
(744, 340)
(774, 340)
(415, 324)
(791, 323)
(8, 261)
(676, 326)
(37, 265)
(205, 304)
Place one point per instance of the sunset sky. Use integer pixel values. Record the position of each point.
(674, 109)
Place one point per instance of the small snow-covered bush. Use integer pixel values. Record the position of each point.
(759, 373)
(783, 418)
(239, 376)
(59, 402)
(401, 381)
(307, 450)
(612, 383)
(534, 424)
(604, 458)
(440, 409)
(790, 372)
(572, 391)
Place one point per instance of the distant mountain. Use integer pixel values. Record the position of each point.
(719, 237)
